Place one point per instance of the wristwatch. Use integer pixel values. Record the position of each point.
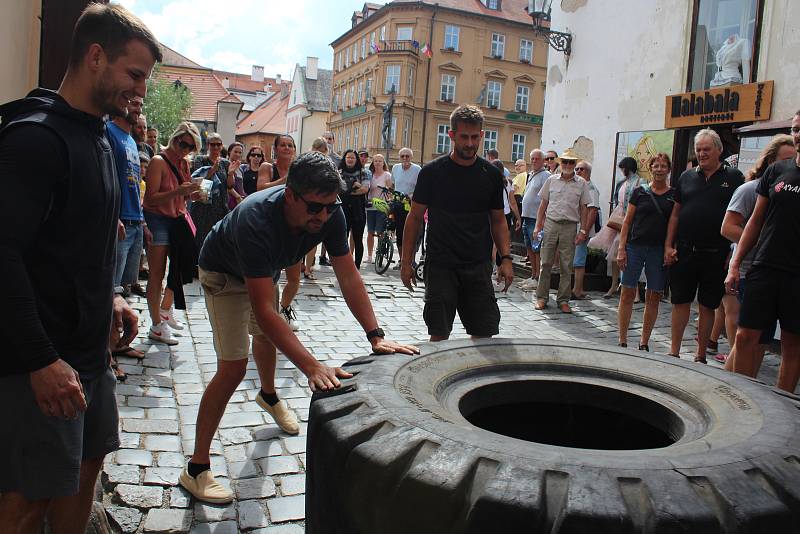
(583, 231)
(508, 257)
(378, 332)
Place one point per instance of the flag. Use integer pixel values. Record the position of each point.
(374, 47)
(415, 44)
(426, 51)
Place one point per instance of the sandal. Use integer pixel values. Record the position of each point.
(130, 352)
(309, 275)
(119, 374)
(700, 359)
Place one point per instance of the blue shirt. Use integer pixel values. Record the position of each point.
(126, 162)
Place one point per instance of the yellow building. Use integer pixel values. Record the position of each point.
(478, 51)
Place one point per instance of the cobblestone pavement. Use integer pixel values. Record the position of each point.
(158, 403)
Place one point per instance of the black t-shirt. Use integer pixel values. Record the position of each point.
(649, 227)
(703, 205)
(459, 201)
(250, 181)
(780, 235)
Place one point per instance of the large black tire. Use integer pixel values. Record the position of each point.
(383, 256)
(392, 451)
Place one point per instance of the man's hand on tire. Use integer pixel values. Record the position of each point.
(325, 378)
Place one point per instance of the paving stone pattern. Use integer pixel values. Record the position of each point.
(265, 467)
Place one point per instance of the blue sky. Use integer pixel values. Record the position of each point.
(235, 34)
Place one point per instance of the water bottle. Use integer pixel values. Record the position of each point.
(537, 242)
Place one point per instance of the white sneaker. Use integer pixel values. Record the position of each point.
(369, 259)
(168, 316)
(291, 318)
(529, 284)
(162, 333)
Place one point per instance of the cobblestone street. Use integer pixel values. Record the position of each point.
(158, 403)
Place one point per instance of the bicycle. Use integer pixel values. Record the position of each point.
(384, 248)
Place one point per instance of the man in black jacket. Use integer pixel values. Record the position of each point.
(58, 232)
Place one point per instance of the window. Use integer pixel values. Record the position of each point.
(360, 99)
(339, 61)
(383, 32)
(371, 42)
(730, 26)
(448, 91)
(491, 4)
(498, 45)
(392, 78)
(406, 132)
(393, 131)
(347, 57)
(489, 141)
(352, 95)
(368, 89)
(355, 135)
(451, 34)
(364, 46)
(526, 51)
(365, 131)
(523, 94)
(410, 88)
(493, 94)
(518, 147)
(346, 138)
(404, 33)
(335, 103)
(442, 139)
(355, 52)
(367, 139)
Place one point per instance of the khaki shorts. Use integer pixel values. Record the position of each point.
(230, 313)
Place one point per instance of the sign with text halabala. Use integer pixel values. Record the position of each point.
(721, 105)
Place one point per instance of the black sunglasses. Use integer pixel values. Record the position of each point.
(255, 155)
(315, 207)
(183, 145)
(550, 158)
(580, 169)
(214, 144)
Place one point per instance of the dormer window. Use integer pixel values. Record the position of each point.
(491, 4)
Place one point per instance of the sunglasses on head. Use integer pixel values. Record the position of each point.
(183, 145)
(315, 207)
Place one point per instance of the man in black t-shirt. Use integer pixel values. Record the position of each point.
(773, 282)
(463, 194)
(694, 248)
(58, 232)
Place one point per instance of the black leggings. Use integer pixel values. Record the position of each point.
(356, 225)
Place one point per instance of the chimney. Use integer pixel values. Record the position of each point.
(258, 73)
(284, 87)
(312, 64)
(226, 83)
(278, 80)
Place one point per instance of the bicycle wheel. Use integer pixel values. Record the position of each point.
(383, 254)
(419, 272)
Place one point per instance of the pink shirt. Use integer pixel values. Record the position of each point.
(176, 206)
(382, 181)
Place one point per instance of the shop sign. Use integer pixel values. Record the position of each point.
(524, 117)
(723, 105)
(354, 112)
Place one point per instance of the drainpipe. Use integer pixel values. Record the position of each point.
(427, 87)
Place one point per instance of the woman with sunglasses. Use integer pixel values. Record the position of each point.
(272, 175)
(169, 186)
(253, 161)
(354, 201)
(236, 170)
(211, 166)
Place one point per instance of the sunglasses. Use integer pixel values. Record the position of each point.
(254, 155)
(550, 158)
(568, 162)
(794, 130)
(580, 169)
(214, 144)
(404, 156)
(183, 145)
(315, 207)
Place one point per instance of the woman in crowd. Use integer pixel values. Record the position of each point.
(641, 247)
(255, 157)
(509, 205)
(168, 188)
(211, 166)
(740, 208)
(272, 175)
(236, 173)
(354, 200)
(376, 220)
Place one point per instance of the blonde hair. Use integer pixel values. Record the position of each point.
(185, 128)
(320, 145)
(769, 155)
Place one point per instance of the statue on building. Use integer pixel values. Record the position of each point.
(733, 62)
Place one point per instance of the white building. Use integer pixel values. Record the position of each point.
(628, 58)
(309, 103)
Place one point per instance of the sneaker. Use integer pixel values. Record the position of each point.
(369, 259)
(721, 357)
(162, 333)
(281, 414)
(529, 284)
(168, 317)
(137, 289)
(205, 488)
(291, 318)
(323, 260)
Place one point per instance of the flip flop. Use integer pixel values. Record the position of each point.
(130, 352)
(119, 374)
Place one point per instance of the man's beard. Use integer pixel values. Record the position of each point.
(466, 153)
(105, 97)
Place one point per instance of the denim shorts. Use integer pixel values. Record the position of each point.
(651, 259)
(376, 221)
(528, 225)
(159, 226)
(581, 251)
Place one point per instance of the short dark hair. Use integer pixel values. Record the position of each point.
(278, 140)
(233, 145)
(343, 165)
(492, 152)
(466, 114)
(313, 172)
(112, 27)
(660, 156)
(629, 164)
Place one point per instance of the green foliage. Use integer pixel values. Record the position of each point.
(167, 104)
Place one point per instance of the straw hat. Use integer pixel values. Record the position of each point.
(569, 154)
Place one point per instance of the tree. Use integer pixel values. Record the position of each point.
(167, 104)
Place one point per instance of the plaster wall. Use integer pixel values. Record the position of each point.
(624, 62)
(20, 31)
(780, 41)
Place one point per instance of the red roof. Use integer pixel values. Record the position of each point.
(245, 82)
(206, 90)
(269, 118)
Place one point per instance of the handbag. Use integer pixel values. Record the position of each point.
(615, 220)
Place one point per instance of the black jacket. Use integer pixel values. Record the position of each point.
(182, 259)
(58, 221)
